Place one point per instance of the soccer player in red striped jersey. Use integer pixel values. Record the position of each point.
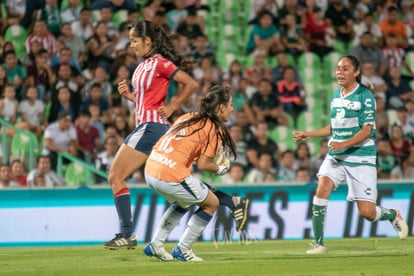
(150, 84)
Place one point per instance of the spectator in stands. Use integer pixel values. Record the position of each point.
(398, 143)
(239, 95)
(303, 176)
(88, 137)
(65, 57)
(234, 74)
(110, 131)
(319, 34)
(207, 66)
(266, 105)
(303, 157)
(121, 125)
(264, 172)
(5, 178)
(96, 98)
(41, 34)
(258, 65)
(395, 55)
(368, 51)
(31, 111)
(99, 77)
(236, 133)
(115, 5)
(282, 63)
(100, 46)
(30, 57)
(63, 103)
(264, 36)
(385, 160)
(96, 121)
(105, 158)
(235, 176)
(122, 73)
(9, 104)
(123, 41)
(71, 13)
(74, 43)
(409, 105)
(150, 9)
(48, 177)
(402, 121)
(177, 15)
(160, 19)
(291, 93)
(258, 6)
(51, 14)
(201, 50)
(396, 26)
(398, 89)
(105, 15)
(382, 122)
(317, 161)
(340, 17)
(58, 137)
(243, 121)
(371, 77)
(260, 144)
(405, 168)
(16, 73)
(3, 78)
(286, 171)
(292, 36)
(17, 172)
(189, 27)
(41, 75)
(83, 28)
(15, 9)
(292, 8)
(368, 24)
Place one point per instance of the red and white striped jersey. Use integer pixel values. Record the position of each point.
(150, 85)
(394, 57)
(47, 42)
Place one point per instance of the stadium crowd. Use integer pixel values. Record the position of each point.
(60, 83)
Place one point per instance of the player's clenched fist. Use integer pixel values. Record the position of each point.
(299, 136)
(123, 88)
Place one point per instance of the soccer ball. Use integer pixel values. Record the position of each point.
(222, 158)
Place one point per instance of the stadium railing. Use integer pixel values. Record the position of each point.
(89, 169)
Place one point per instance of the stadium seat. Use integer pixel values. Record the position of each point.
(75, 174)
(17, 35)
(282, 135)
(119, 17)
(329, 65)
(309, 121)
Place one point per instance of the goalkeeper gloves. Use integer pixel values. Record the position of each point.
(222, 169)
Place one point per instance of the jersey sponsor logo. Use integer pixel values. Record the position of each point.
(368, 103)
(162, 160)
(342, 133)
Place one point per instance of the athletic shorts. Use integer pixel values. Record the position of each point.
(144, 137)
(190, 192)
(361, 180)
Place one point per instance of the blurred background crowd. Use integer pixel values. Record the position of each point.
(61, 61)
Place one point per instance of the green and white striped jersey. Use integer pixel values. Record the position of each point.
(348, 115)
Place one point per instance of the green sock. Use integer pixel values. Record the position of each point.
(318, 219)
(386, 214)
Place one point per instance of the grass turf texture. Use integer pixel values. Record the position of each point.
(379, 256)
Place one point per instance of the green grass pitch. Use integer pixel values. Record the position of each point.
(374, 256)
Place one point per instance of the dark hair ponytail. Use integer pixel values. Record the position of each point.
(161, 43)
(216, 96)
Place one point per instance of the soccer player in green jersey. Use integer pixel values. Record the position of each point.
(351, 156)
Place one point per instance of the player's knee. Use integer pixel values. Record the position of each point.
(113, 178)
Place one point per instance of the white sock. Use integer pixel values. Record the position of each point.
(195, 227)
(168, 221)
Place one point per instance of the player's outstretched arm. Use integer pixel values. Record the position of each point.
(299, 136)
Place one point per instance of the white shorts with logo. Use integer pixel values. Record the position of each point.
(190, 192)
(361, 180)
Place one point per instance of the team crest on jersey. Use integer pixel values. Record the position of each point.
(167, 64)
(147, 67)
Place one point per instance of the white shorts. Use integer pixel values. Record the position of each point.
(361, 180)
(190, 192)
